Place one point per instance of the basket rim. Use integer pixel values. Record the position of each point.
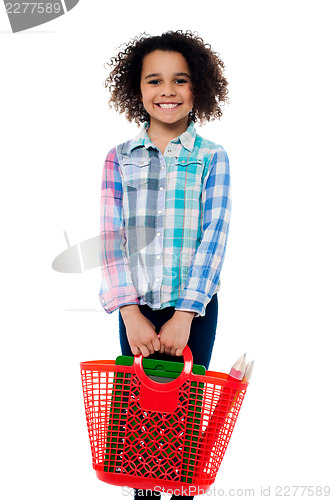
(210, 377)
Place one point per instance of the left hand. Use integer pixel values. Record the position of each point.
(174, 334)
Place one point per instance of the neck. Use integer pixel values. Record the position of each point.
(166, 131)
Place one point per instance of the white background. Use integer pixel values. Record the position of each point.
(275, 301)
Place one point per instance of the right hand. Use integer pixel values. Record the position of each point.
(141, 334)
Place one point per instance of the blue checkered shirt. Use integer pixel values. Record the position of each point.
(164, 222)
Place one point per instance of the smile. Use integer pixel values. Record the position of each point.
(168, 106)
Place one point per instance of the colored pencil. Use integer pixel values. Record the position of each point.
(210, 435)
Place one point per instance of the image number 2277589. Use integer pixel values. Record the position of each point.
(25, 15)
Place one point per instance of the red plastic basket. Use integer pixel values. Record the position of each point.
(146, 434)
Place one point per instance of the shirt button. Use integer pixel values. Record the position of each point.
(158, 234)
(158, 257)
(169, 151)
(161, 189)
(160, 212)
(163, 166)
(157, 280)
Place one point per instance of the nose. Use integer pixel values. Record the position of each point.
(167, 90)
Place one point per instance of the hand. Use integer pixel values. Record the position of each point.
(141, 334)
(174, 334)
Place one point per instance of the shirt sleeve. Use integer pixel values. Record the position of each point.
(117, 287)
(204, 272)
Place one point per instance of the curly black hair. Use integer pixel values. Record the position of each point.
(209, 84)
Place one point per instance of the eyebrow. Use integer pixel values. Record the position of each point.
(175, 74)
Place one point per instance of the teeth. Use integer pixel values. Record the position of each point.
(167, 106)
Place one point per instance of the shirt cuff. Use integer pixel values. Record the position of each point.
(187, 310)
(111, 303)
(195, 303)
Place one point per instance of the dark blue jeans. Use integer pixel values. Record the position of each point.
(201, 340)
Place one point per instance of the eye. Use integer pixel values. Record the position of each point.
(181, 80)
(153, 82)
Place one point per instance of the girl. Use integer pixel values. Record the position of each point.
(165, 203)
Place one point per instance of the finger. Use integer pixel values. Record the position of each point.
(144, 351)
(167, 350)
(156, 344)
(162, 346)
(150, 347)
(178, 352)
(135, 350)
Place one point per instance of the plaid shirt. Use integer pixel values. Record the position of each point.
(164, 222)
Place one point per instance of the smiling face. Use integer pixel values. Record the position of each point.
(166, 88)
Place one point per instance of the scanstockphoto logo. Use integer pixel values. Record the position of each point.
(26, 15)
(106, 249)
(142, 242)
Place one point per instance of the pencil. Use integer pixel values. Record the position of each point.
(211, 432)
(248, 372)
(245, 380)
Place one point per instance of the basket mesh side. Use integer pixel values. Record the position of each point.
(221, 408)
(97, 391)
(187, 445)
(153, 444)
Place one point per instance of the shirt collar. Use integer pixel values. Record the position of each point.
(187, 139)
